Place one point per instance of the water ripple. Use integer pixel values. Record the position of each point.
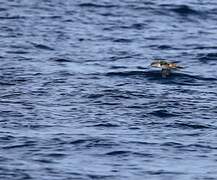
(79, 100)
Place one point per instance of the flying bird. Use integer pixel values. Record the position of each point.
(166, 67)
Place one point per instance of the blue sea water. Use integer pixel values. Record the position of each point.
(78, 99)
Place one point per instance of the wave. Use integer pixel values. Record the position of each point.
(163, 113)
(206, 57)
(60, 59)
(189, 125)
(123, 40)
(175, 77)
(182, 10)
(94, 5)
(42, 46)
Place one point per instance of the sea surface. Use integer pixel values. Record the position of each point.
(79, 100)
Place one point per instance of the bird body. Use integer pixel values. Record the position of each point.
(165, 66)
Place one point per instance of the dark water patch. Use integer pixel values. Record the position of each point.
(97, 143)
(39, 126)
(3, 83)
(207, 57)
(20, 47)
(109, 14)
(122, 40)
(60, 80)
(3, 9)
(13, 82)
(201, 146)
(118, 67)
(118, 153)
(113, 93)
(55, 155)
(137, 26)
(11, 17)
(106, 125)
(44, 160)
(189, 147)
(82, 39)
(141, 67)
(134, 127)
(141, 142)
(153, 74)
(185, 82)
(163, 113)
(147, 6)
(58, 141)
(20, 79)
(54, 17)
(183, 10)
(95, 5)
(95, 96)
(162, 172)
(197, 77)
(17, 52)
(97, 176)
(116, 92)
(42, 46)
(14, 174)
(40, 92)
(110, 103)
(17, 146)
(165, 47)
(64, 74)
(3, 159)
(190, 125)
(79, 141)
(193, 134)
(143, 155)
(7, 138)
(60, 59)
(135, 107)
(172, 144)
(125, 73)
(91, 142)
(200, 47)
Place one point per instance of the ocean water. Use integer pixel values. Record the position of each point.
(78, 99)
